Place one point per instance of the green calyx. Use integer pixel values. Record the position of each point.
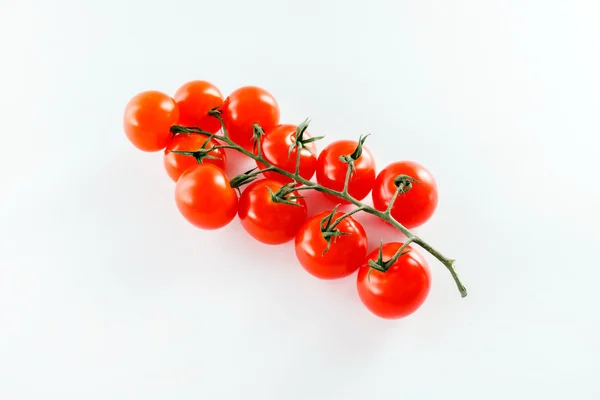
(257, 133)
(329, 229)
(244, 178)
(350, 158)
(201, 154)
(383, 266)
(300, 142)
(285, 195)
(404, 183)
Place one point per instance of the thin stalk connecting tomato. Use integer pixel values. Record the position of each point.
(403, 182)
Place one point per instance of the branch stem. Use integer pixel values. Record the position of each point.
(217, 115)
(399, 190)
(398, 253)
(341, 217)
(298, 159)
(348, 175)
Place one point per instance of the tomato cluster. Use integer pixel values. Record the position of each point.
(328, 245)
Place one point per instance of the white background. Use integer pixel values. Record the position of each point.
(107, 293)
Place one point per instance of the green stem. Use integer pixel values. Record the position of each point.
(249, 176)
(306, 184)
(398, 253)
(258, 132)
(348, 175)
(341, 218)
(393, 200)
(298, 158)
(217, 115)
(448, 263)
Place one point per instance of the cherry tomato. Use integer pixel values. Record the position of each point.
(268, 221)
(205, 198)
(275, 145)
(245, 107)
(195, 99)
(399, 291)
(416, 206)
(148, 118)
(345, 255)
(331, 171)
(177, 164)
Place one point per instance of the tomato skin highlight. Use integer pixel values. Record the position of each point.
(265, 220)
(411, 209)
(205, 198)
(275, 145)
(243, 108)
(343, 257)
(148, 119)
(331, 171)
(177, 164)
(399, 291)
(195, 99)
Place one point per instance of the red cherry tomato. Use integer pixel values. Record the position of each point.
(268, 221)
(275, 145)
(416, 206)
(399, 291)
(245, 107)
(331, 171)
(345, 255)
(205, 198)
(177, 164)
(195, 99)
(148, 118)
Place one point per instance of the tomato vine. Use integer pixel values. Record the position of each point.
(404, 183)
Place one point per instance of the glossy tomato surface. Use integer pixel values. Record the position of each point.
(413, 208)
(345, 254)
(195, 99)
(243, 108)
(148, 119)
(205, 198)
(275, 145)
(331, 171)
(268, 221)
(177, 164)
(399, 291)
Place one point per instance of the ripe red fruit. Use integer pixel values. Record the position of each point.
(345, 254)
(205, 197)
(148, 118)
(243, 108)
(413, 208)
(195, 99)
(399, 291)
(177, 164)
(275, 146)
(331, 171)
(268, 221)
